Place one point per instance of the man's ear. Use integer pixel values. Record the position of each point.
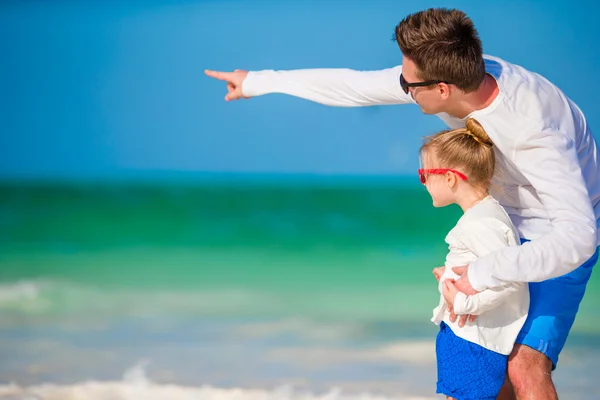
(444, 90)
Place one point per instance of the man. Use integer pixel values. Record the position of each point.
(550, 181)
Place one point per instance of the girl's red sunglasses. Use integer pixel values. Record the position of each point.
(438, 171)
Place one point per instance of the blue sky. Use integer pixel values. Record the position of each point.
(91, 89)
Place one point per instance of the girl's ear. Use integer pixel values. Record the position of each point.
(451, 179)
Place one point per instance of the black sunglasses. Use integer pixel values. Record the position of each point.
(405, 85)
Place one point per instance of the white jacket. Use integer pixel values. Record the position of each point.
(484, 228)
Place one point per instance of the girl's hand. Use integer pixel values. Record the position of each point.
(449, 292)
(438, 272)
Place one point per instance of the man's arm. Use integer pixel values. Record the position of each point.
(332, 87)
(488, 299)
(484, 236)
(549, 161)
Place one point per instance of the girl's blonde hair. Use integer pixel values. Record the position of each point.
(468, 149)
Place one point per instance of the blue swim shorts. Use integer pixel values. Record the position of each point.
(552, 309)
(467, 371)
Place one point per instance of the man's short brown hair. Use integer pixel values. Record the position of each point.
(444, 45)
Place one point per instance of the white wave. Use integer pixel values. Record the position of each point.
(301, 327)
(75, 299)
(39, 297)
(23, 296)
(19, 291)
(94, 390)
(136, 386)
(407, 352)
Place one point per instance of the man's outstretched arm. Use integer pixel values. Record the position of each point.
(332, 87)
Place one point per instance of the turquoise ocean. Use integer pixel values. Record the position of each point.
(253, 288)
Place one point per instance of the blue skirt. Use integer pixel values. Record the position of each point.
(467, 371)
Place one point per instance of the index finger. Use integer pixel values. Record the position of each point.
(452, 315)
(222, 76)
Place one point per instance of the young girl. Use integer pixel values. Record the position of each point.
(457, 169)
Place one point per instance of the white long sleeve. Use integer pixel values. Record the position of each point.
(332, 87)
(548, 160)
(481, 302)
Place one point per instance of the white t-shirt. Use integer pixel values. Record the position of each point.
(483, 229)
(549, 160)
